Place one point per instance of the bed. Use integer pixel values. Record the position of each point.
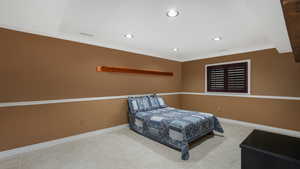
(150, 116)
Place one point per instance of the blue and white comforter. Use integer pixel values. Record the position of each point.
(151, 117)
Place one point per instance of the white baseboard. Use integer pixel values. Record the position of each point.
(292, 133)
(43, 145)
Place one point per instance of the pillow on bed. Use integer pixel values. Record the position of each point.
(133, 105)
(143, 103)
(154, 102)
(161, 102)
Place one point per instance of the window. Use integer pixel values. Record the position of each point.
(228, 77)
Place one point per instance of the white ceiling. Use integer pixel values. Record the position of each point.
(244, 25)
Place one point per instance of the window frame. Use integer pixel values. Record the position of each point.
(248, 61)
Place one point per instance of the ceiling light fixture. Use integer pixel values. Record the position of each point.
(128, 36)
(217, 38)
(175, 49)
(172, 13)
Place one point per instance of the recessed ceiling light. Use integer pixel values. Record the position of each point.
(128, 36)
(175, 49)
(172, 13)
(217, 38)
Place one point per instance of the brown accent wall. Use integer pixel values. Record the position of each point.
(272, 112)
(26, 125)
(272, 74)
(35, 67)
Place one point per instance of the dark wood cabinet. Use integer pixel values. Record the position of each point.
(265, 150)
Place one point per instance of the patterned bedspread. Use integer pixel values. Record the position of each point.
(173, 127)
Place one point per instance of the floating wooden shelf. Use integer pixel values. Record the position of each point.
(128, 70)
